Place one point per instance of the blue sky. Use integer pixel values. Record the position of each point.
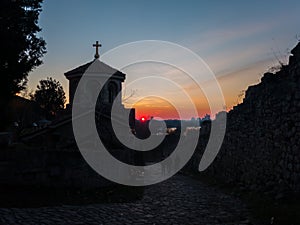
(237, 39)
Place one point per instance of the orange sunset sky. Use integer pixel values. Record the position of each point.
(238, 41)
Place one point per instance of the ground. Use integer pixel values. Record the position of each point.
(179, 200)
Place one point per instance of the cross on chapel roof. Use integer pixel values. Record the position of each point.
(97, 45)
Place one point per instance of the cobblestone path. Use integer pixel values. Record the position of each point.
(179, 200)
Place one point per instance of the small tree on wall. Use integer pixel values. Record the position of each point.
(50, 96)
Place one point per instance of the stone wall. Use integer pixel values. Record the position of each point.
(25, 166)
(261, 149)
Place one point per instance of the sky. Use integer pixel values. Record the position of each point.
(238, 40)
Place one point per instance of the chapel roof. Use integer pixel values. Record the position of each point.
(97, 66)
(79, 70)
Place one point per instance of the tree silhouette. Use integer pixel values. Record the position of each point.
(50, 96)
(21, 48)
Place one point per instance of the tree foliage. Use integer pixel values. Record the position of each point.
(50, 96)
(21, 48)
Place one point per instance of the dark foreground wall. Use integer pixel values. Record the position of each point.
(261, 149)
(45, 168)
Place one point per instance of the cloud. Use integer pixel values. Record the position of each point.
(214, 39)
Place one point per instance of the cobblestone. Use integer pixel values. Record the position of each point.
(179, 200)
